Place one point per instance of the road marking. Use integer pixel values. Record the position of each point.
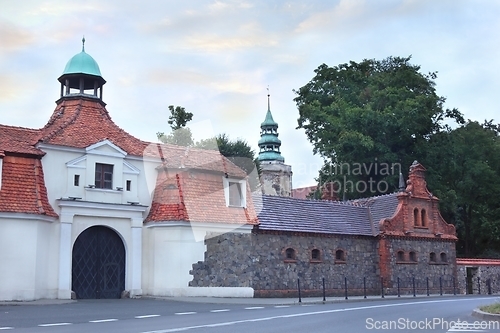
(54, 324)
(282, 306)
(146, 316)
(6, 328)
(103, 320)
(184, 313)
(186, 328)
(465, 327)
(254, 308)
(221, 310)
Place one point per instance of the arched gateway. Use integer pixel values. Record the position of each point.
(98, 269)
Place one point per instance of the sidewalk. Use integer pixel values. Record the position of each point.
(257, 301)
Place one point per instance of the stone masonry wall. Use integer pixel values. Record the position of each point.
(477, 281)
(259, 261)
(438, 274)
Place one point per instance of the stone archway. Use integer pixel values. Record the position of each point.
(98, 265)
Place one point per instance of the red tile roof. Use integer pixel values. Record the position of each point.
(80, 123)
(23, 189)
(196, 197)
(19, 140)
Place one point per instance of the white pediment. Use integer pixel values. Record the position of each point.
(80, 162)
(130, 169)
(106, 148)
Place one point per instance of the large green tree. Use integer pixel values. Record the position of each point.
(464, 170)
(370, 120)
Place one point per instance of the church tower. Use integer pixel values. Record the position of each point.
(276, 176)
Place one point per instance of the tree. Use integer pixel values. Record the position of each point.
(237, 151)
(370, 120)
(181, 135)
(464, 168)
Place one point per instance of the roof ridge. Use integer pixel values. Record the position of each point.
(64, 125)
(20, 128)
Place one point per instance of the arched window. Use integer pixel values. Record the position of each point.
(290, 254)
(315, 255)
(416, 217)
(432, 257)
(443, 256)
(424, 218)
(400, 256)
(413, 256)
(340, 255)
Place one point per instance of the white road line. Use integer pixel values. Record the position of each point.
(184, 313)
(186, 328)
(6, 328)
(103, 320)
(54, 324)
(146, 316)
(254, 308)
(221, 310)
(282, 306)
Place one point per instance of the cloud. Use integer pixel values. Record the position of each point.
(14, 37)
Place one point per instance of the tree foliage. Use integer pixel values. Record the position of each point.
(180, 135)
(370, 118)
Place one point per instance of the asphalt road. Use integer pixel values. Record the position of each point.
(446, 314)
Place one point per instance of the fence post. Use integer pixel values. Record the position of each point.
(488, 284)
(399, 293)
(427, 283)
(382, 286)
(414, 295)
(441, 286)
(454, 287)
(324, 294)
(298, 285)
(479, 285)
(345, 286)
(364, 287)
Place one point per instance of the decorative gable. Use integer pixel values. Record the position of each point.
(106, 148)
(418, 213)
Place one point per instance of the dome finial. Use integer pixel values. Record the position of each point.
(83, 44)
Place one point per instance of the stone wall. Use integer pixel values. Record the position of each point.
(478, 278)
(438, 273)
(259, 260)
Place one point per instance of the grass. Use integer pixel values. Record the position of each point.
(492, 308)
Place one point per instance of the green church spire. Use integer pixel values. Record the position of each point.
(269, 144)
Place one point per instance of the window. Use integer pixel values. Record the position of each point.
(400, 256)
(413, 256)
(235, 197)
(424, 218)
(416, 217)
(340, 255)
(128, 185)
(290, 254)
(76, 181)
(432, 257)
(103, 176)
(315, 255)
(443, 257)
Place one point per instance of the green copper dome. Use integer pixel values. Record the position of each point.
(269, 121)
(82, 63)
(269, 139)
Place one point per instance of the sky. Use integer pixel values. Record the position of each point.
(218, 58)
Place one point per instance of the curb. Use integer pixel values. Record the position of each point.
(485, 315)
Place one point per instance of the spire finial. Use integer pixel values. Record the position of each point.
(268, 99)
(401, 183)
(83, 44)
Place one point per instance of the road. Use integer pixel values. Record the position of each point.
(443, 314)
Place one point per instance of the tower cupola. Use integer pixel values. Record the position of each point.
(83, 74)
(269, 144)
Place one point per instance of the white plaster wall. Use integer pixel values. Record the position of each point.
(27, 264)
(168, 255)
